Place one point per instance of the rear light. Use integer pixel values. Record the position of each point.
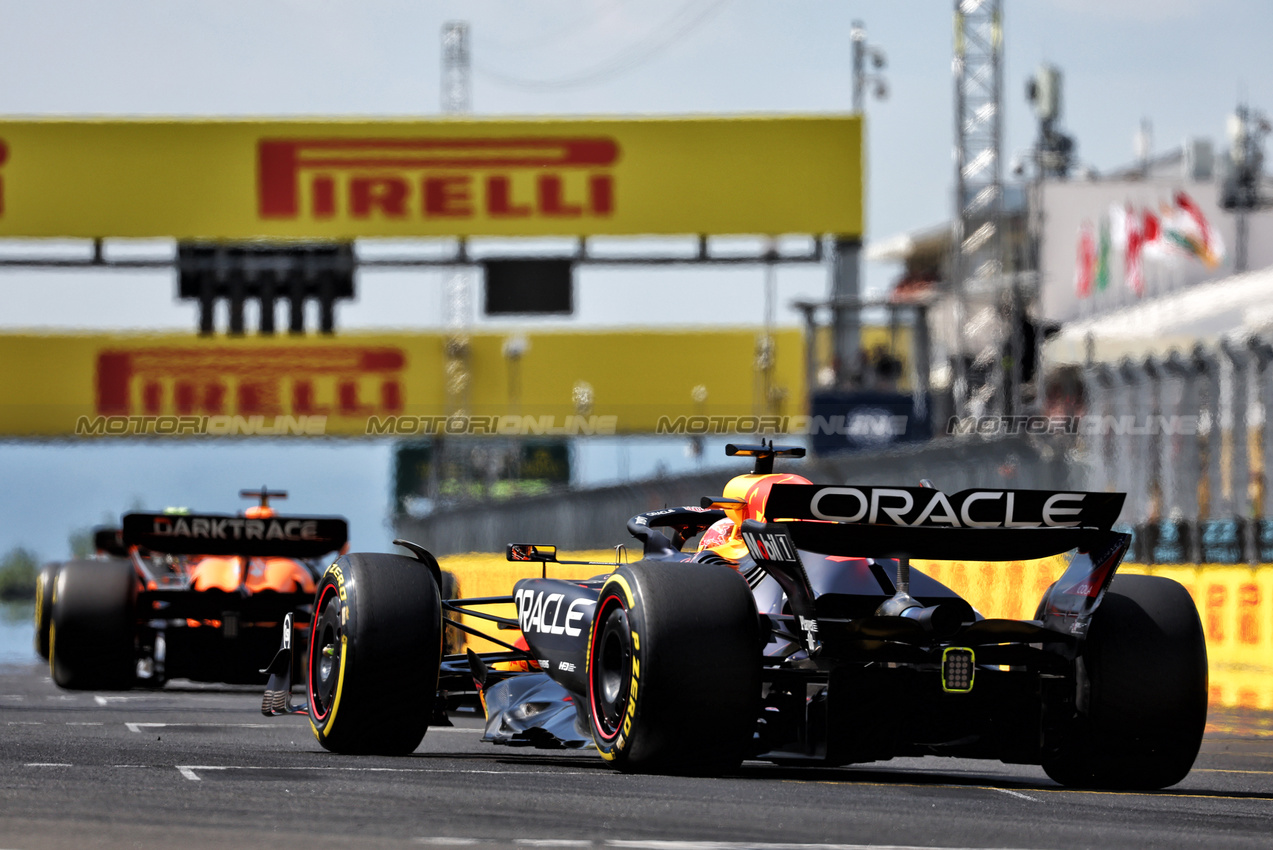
(958, 667)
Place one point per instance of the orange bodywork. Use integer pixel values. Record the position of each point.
(213, 572)
(226, 573)
(725, 536)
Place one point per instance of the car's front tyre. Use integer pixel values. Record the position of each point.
(374, 654)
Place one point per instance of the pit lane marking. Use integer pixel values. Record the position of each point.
(191, 771)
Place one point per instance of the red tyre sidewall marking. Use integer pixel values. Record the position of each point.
(313, 639)
(603, 612)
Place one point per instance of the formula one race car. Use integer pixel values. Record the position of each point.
(181, 595)
(796, 632)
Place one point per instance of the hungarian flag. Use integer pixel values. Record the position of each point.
(1085, 265)
(1186, 231)
(1199, 235)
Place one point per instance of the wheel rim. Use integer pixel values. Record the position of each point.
(325, 647)
(611, 668)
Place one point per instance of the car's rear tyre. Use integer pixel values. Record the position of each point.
(44, 607)
(374, 654)
(92, 628)
(1143, 706)
(674, 668)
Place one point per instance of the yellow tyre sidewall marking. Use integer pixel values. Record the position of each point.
(39, 602)
(340, 687)
(52, 629)
(340, 684)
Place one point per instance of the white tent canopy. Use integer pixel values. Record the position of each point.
(1233, 307)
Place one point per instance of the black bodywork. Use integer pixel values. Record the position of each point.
(854, 641)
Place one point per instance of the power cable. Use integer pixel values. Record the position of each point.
(552, 36)
(633, 57)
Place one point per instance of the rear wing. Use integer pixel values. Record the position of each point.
(223, 534)
(920, 522)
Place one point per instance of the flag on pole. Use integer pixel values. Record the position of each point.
(1085, 266)
(1102, 257)
(1197, 233)
(1134, 269)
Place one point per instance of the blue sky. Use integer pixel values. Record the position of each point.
(1181, 64)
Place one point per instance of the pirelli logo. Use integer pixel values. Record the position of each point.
(302, 381)
(437, 178)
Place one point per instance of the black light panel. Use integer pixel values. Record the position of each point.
(529, 286)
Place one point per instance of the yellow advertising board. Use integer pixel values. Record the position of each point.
(398, 385)
(342, 179)
(1235, 604)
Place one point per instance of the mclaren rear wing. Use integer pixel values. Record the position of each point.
(919, 522)
(223, 534)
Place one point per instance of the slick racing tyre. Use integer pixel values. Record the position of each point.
(44, 607)
(1142, 691)
(674, 668)
(92, 627)
(374, 653)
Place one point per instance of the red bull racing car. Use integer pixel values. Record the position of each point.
(182, 595)
(795, 631)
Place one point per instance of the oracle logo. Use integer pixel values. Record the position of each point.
(431, 178)
(318, 381)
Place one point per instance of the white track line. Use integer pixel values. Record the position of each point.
(137, 727)
(47, 764)
(655, 844)
(101, 700)
(1012, 793)
(189, 770)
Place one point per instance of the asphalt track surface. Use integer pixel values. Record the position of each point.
(198, 766)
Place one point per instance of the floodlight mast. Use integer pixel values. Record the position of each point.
(1240, 190)
(977, 254)
(456, 89)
